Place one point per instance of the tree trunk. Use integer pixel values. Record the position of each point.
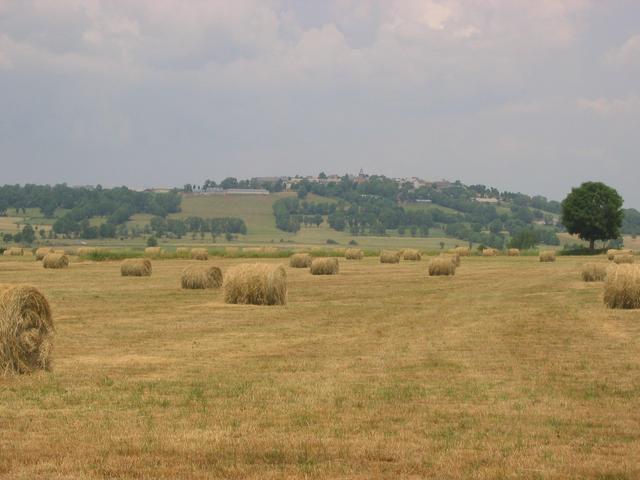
(592, 244)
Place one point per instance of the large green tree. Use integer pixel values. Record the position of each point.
(593, 211)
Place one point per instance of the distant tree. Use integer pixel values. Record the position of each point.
(441, 245)
(152, 242)
(188, 188)
(229, 182)
(28, 234)
(593, 211)
(322, 175)
(524, 239)
(495, 226)
(317, 219)
(42, 233)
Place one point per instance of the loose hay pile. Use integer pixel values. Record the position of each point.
(411, 254)
(548, 256)
(513, 252)
(55, 260)
(353, 254)
(622, 258)
(300, 260)
(136, 267)
(152, 251)
(594, 272)
(256, 284)
(489, 252)
(443, 265)
(14, 252)
(42, 252)
(201, 276)
(26, 330)
(389, 256)
(325, 266)
(199, 254)
(622, 287)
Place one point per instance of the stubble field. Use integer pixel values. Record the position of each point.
(509, 369)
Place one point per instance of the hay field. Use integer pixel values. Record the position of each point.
(512, 368)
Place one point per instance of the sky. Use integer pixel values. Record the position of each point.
(534, 96)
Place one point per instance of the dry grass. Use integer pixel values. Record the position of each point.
(442, 265)
(256, 284)
(200, 277)
(462, 251)
(489, 252)
(300, 260)
(199, 254)
(26, 330)
(411, 254)
(547, 256)
(389, 256)
(55, 260)
(594, 272)
(86, 251)
(623, 258)
(153, 252)
(622, 287)
(611, 253)
(325, 266)
(42, 252)
(136, 267)
(183, 252)
(513, 252)
(506, 370)
(354, 254)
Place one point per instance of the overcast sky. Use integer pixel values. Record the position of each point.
(533, 96)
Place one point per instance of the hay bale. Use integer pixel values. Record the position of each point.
(622, 287)
(42, 252)
(135, 267)
(353, 254)
(594, 272)
(26, 330)
(489, 252)
(442, 265)
(463, 251)
(256, 284)
(548, 256)
(183, 252)
(14, 252)
(325, 266)
(513, 252)
(199, 254)
(611, 253)
(152, 251)
(623, 258)
(455, 258)
(55, 260)
(411, 254)
(389, 256)
(201, 276)
(300, 260)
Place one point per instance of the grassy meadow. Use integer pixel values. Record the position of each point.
(509, 369)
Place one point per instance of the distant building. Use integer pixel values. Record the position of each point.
(246, 191)
(159, 190)
(486, 200)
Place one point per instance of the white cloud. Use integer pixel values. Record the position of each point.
(626, 54)
(606, 106)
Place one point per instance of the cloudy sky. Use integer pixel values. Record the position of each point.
(534, 96)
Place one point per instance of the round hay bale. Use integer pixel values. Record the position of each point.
(623, 258)
(548, 256)
(14, 252)
(489, 252)
(55, 260)
(201, 276)
(443, 265)
(463, 251)
(513, 252)
(255, 284)
(26, 330)
(199, 254)
(136, 267)
(411, 254)
(594, 272)
(389, 256)
(353, 254)
(455, 258)
(325, 266)
(42, 252)
(622, 287)
(152, 252)
(300, 260)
